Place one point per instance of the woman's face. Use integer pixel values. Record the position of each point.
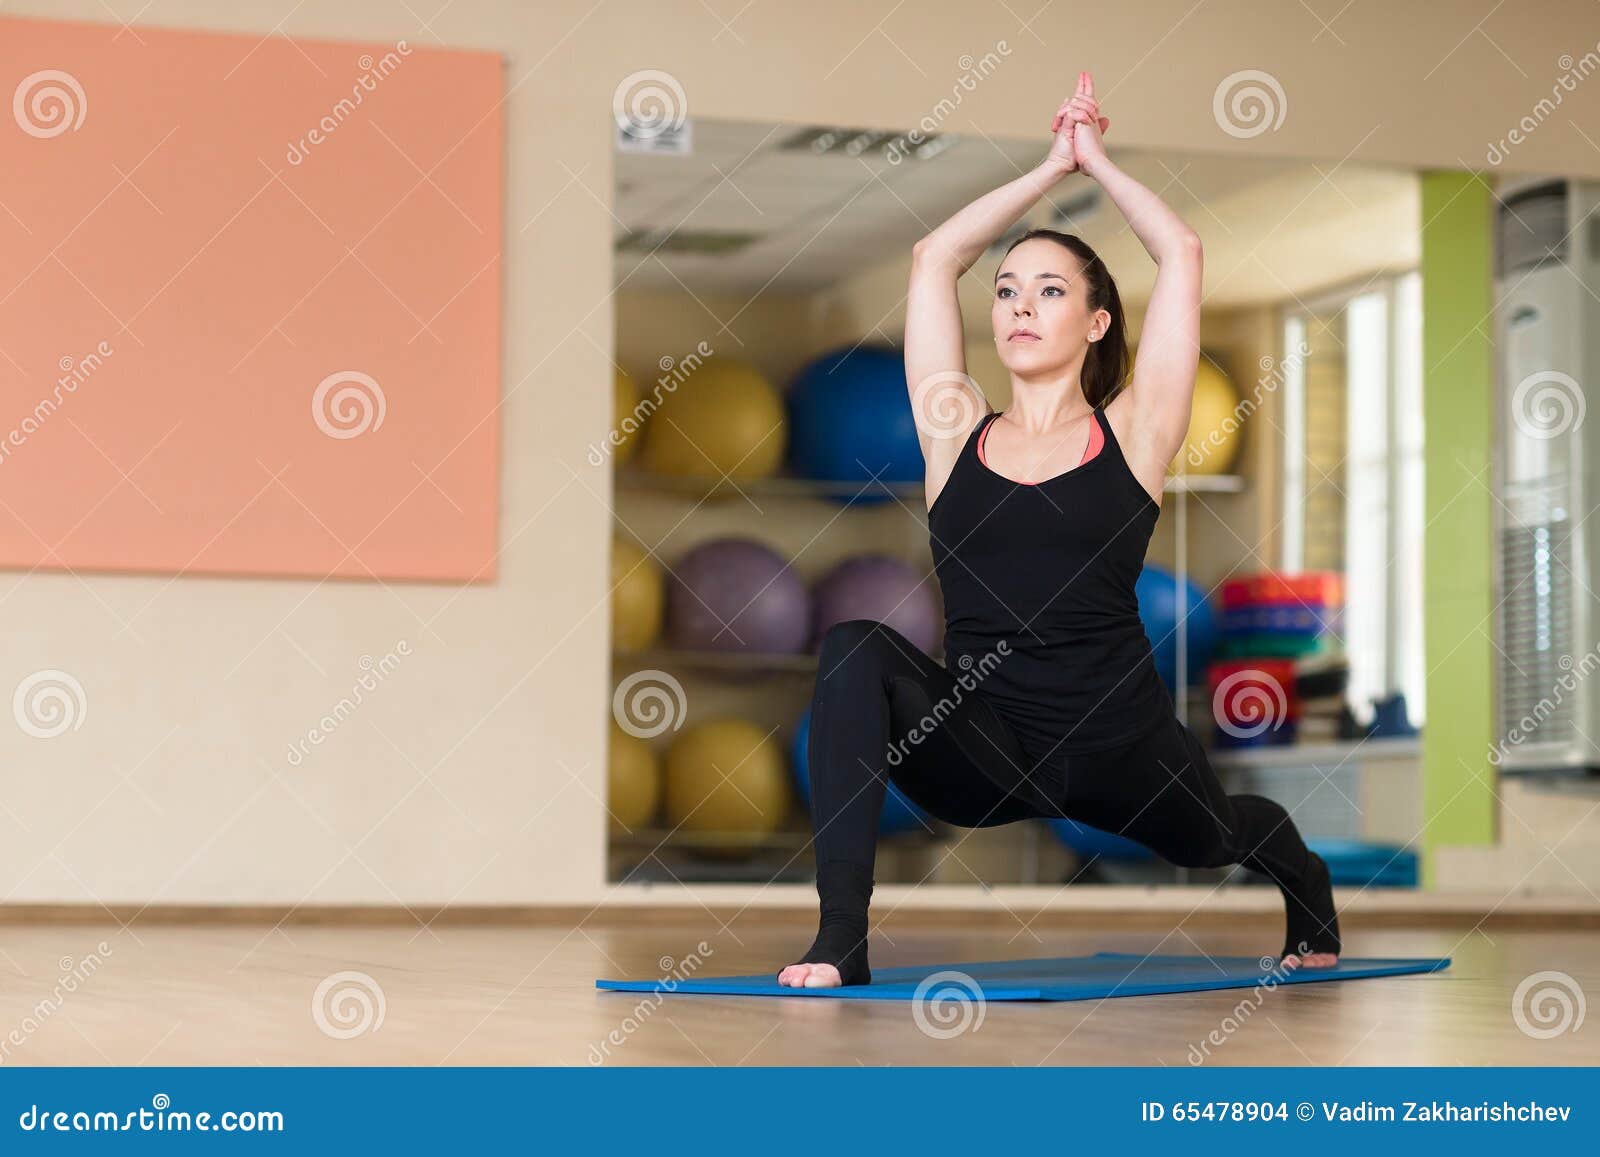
(1041, 309)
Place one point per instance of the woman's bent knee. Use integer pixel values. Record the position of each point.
(861, 644)
(1214, 851)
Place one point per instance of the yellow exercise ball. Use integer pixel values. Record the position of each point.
(625, 422)
(727, 778)
(724, 418)
(1211, 445)
(638, 597)
(634, 782)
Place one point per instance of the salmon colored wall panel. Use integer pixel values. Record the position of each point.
(249, 304)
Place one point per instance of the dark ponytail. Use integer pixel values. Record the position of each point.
(1105, 368)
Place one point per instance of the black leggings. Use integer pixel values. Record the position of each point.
(877, 695)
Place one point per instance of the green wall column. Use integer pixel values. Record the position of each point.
(1458, 550)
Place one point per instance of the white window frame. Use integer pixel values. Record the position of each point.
(1383, 523)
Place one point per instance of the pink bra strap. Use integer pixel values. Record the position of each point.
(1097, 439)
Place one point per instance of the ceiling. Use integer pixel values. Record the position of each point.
(796, 220)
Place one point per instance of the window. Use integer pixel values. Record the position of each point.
(1352, 480)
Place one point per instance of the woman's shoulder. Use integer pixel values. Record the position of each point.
(1129, 427)
(1119, 415)
(946, 452)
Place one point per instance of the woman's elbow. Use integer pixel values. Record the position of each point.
(1185, 247)
(930, 255)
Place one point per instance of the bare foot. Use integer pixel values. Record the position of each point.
(1311, 960)
(810, 976)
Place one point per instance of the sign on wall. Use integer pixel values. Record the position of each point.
(249, 304)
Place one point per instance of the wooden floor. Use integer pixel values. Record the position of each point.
(458, 995)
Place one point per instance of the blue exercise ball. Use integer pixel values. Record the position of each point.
(899, 813)
(850, 420)
(1160, 607)
(1087, 841)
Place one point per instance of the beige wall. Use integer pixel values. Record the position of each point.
(475, 774)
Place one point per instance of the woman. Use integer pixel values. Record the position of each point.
(1039, 517)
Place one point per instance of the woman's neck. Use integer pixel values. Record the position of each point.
(1043, 415)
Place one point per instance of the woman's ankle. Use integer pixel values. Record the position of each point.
(845, 947)
(1312, 917)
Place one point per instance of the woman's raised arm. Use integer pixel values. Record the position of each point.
(1161, 391)
(944, 400)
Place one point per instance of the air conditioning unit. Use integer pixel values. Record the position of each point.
(1547, 476)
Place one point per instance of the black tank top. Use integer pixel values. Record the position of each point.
(1048, 570)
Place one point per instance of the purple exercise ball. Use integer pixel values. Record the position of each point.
(885, 590)
(736, 594)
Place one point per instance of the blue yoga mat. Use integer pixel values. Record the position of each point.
(1053, 978)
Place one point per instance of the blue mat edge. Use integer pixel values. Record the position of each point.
(1360, 968)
